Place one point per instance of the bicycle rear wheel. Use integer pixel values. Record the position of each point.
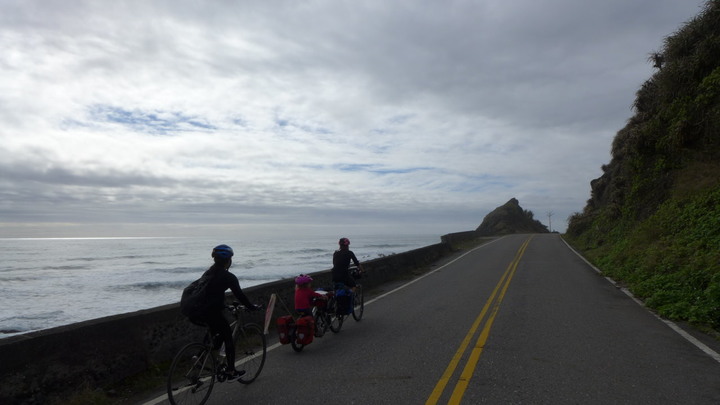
(358, 303)
(250, 352)
(191, 376)
(334, 319)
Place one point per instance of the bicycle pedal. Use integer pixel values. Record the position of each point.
(235, 376)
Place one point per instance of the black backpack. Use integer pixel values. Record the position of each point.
(195, 301)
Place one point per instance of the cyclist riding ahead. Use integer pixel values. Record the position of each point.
(341, 264)
(220, 280)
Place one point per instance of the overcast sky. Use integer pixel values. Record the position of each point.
(171, 116)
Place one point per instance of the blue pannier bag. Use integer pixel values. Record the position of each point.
(344, 301)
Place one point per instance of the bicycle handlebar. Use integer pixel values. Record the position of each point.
(236, 305)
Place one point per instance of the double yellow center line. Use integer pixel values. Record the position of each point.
(493, 302)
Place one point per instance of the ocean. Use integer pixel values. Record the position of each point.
(49, 282)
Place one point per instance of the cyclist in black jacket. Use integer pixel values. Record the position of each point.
(341, 264)
(221, 280)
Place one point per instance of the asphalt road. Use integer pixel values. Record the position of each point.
(521, 320)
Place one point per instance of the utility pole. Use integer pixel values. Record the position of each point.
(550, 214)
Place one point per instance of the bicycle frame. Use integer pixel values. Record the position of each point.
(197, 366)
(357, 301)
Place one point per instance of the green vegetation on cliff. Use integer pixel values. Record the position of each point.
(653, 219)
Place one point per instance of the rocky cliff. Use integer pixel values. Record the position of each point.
(653, 217)
(510, 218)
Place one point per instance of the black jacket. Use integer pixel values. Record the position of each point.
(221, 281)
(341, 264)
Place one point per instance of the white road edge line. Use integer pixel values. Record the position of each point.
(700, 345)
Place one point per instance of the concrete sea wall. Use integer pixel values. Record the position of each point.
(38, 366)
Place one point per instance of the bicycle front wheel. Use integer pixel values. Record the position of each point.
(321, 322)
(192, 375)
(250, 352)
(294, 343)
(358, 303)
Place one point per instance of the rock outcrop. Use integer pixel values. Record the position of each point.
(510, 218)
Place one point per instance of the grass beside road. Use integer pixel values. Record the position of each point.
(671, 260)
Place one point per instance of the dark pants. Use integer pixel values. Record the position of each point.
(219, 326)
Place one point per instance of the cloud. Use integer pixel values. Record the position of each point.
(398, 112)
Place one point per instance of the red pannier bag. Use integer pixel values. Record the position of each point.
(284, 324)
(305, 330)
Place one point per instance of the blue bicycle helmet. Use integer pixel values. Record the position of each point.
(222, 252)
